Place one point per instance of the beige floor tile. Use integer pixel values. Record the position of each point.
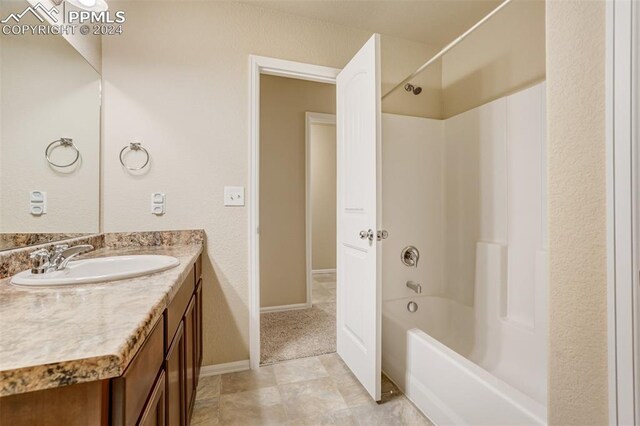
(255, 407)
(247, 380)
(205, 412)
(334, 364)
(323, 278)
(364, 415)
(329, 285)
(322, 295)
(311, 398)
(400, 412)
(355, 395)
(208, 387)
(299, 370)
(345, 379)
(338, 418)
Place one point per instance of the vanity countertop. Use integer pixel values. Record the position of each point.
(51, 337)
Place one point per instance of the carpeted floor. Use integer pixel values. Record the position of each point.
(301, 333)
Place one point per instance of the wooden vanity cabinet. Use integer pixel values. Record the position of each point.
(183, 357)
(158, 387)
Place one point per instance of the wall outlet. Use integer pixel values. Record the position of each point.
(37, 203)
(234, 195)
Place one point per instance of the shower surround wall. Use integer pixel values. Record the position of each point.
(469, 192)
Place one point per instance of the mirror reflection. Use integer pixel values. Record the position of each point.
(49, 139)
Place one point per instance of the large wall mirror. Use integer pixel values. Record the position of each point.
(49, 139)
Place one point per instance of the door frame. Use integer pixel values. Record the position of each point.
(282, 68)
(622, 26)
(311, 118)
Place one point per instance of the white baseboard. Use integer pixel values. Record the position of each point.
(323, 271)
(229, 367)
(285, 308)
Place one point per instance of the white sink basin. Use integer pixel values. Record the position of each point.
(99, 269)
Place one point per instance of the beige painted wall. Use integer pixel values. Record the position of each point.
(184, 93)
(323, 196)
(505, 55)
(398, 61)
(577, 216)
(283, 103)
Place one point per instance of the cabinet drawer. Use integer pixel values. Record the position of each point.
(178, 306)
(129, 392)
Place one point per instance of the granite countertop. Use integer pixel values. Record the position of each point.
(57, 336)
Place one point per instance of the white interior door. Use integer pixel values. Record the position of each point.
(358, 255)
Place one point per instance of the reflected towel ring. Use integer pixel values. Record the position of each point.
(134, 146)
(65, 142)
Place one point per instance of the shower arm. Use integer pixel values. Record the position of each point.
(448, 47)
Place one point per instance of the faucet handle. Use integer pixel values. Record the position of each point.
(59, 248)
(410, 256)
(40, 260)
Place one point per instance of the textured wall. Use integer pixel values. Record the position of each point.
(505, 55)
(577, 202)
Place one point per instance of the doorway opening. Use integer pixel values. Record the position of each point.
(293, 107)
(298, 212)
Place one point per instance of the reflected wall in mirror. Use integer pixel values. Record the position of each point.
(48, 91)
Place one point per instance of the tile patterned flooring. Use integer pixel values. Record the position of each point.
(323, 288)
(308, 391)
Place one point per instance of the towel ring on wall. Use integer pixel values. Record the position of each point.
(134, 146)
(64, 142)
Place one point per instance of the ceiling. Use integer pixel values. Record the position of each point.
(433, 22)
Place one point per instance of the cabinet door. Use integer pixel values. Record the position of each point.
(130, 391)
(198, 331)
(153, 414)
(190, 346)
(175, 368)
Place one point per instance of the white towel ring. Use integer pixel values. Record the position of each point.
(134, 146)
(64, 142)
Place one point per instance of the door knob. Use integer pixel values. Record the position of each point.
(370, 235)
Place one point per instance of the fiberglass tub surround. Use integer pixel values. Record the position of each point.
(476, 209)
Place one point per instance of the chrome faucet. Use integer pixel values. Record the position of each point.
(45, 261)
(414, 286)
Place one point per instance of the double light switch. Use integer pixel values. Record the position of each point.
(37, 203)
(158, 203)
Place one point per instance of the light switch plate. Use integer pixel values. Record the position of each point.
(37, 203)
(158, 203)
(234, 195)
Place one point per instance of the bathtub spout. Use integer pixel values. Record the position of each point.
(414, 286)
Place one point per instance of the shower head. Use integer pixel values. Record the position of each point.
(411, 88)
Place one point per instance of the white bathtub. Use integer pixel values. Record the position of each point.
(426, 354)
